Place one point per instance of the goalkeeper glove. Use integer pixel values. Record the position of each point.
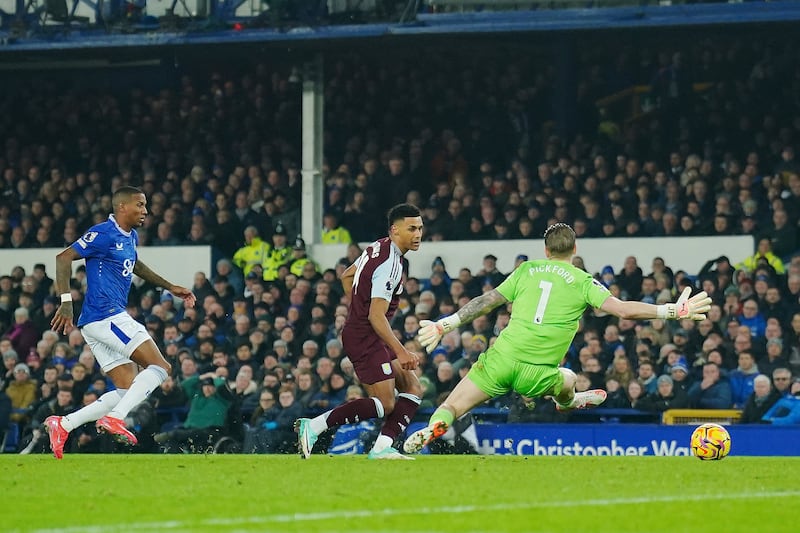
(430, 333)
(693, 308)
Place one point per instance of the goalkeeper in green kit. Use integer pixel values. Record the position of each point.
(549, 297)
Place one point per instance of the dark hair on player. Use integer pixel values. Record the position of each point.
(401, 211)
(123, 194)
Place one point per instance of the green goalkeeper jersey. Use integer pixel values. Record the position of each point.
(549, 298)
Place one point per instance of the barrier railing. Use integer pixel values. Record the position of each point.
(700, 416)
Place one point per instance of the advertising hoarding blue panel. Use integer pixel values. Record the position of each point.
(626, 439)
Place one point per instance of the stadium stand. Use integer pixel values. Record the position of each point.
(699, 139)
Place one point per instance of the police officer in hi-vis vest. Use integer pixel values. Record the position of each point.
(278, 254)
(300, 259)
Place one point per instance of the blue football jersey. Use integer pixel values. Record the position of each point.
(110, 254)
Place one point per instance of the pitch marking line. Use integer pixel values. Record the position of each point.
(346, 515)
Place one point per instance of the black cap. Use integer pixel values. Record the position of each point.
(299, 243)
(280, 230)
(207, 381)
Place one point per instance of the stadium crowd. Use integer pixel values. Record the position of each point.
(217, 159)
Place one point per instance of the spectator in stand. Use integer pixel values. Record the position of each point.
(775, 357)
(659, 267)
(752, 318)
(666, 397)
(359, 216)
(280, 436)
(168, 396)
(252, 253)
(306, 388)
(208, 411)
(774, 306)
(742, 379)
(10, 361)
(620, 370)
(647, 377)
(635, 393)
(783, 234)
(760, 401)
(713, 392)
(22, 333)
(679, 372)
(224, 267)
(782, 381)
(22, 392)
(630, 278)
(607, 276)
(763, 255)
(455, 225)
(617, 398)
(332, 230)
(165, 236)
(489, 274)
(61, 405)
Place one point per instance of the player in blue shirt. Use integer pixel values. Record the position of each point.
(118, 342)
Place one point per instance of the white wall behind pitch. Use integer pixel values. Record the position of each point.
(179, 263)
(680, 253)
(174, 263)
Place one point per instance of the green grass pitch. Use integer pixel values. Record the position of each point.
(171, 493)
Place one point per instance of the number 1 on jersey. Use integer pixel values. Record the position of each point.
(545, 286)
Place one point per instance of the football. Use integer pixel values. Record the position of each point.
(710, 442)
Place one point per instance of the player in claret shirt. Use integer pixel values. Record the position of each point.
(118, 342)
(381, 362)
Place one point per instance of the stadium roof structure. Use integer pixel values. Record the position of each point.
(232, 31)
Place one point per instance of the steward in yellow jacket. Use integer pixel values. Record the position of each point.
(252, 253)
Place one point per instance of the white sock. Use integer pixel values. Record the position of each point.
(94, 411)
(381, 443)
(145, 383)
(320, 423)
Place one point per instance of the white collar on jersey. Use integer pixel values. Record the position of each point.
(396, 248)
(114, 220)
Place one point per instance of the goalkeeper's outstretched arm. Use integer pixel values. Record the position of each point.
(480, 305)
(430, 333)
(693, 308)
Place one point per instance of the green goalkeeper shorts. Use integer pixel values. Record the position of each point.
(496, 375)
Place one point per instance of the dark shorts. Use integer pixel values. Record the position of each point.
(371, 358)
